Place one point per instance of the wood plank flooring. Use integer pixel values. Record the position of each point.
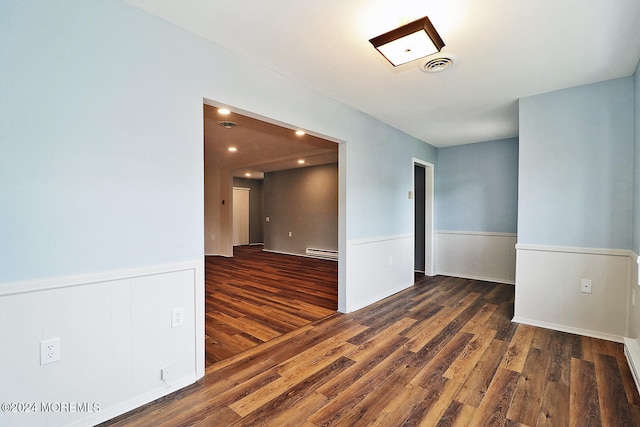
(257, 296)
(441, 353)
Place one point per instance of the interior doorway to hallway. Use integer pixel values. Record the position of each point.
(423, 195)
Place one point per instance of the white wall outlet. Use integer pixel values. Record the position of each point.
(268, 219)
(290, 234)
(165, 373)
(585, 286)
(177, 317)
(49, 351)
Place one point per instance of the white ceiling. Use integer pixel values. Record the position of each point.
(506, 49)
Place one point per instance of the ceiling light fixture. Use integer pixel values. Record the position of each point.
(300, 132)
(412, 41)
(224, 111)
(233, 149)
(301, 162)
(247, 174)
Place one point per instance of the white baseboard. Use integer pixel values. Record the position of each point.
(474, 277)
(136, 402)
(377, 268)
(568, 329)
(388, 292)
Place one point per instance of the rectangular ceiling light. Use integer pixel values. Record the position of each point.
(414, 40)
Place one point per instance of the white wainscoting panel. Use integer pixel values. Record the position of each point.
(377, 268)
(632, 352)
(548, 293)
(115, 336)
(633, 300)
(477, 255)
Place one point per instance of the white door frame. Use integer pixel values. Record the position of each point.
(429, 256)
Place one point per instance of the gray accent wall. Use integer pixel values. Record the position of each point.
(256, 207)
(304, 202)
(476, 187)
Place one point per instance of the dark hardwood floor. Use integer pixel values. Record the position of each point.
(441, 353)
(257, 296)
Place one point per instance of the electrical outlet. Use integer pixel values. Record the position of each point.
(177, 317)
(585, 286)
(165, 373)
(290, 234)
(49, 351)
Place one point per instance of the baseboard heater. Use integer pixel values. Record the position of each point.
(322, 253)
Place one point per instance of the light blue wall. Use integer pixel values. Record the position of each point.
(101, 139)
(380, 173)
(476, 187)
(576, 166)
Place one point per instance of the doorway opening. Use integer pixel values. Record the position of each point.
(423, 191)
(270, 195)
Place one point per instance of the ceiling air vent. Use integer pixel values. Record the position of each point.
(228, 125)
(438, 63)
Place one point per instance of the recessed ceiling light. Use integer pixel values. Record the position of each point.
(224, 111)
(233, 149)
(247, 174)
(301, 162)
(300, 132)
(228, 125)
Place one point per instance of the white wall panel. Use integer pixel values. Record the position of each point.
(54, 306)
(548, 289)
(121, 320)
(377, 268)
(155, 343)
(115, 334)
(633, 299)
(21, 317)
(476, 255)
